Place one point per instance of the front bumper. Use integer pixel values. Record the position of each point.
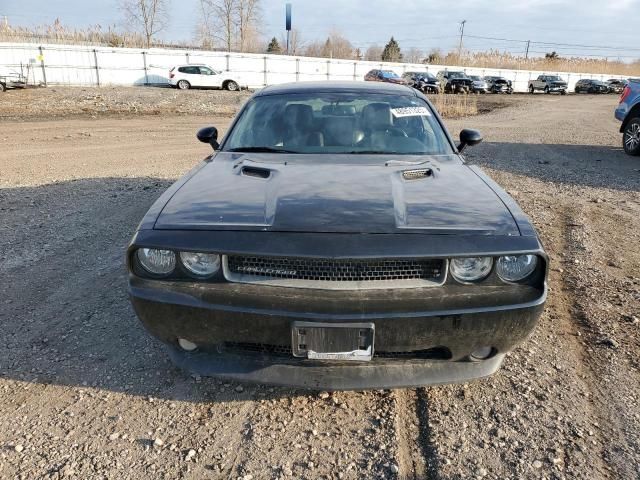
(333, 376)
(228, 321)
(501, 89)
(621, 112)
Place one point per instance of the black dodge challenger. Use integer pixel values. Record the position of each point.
(336, 239)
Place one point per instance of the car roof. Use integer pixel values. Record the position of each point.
(329, 86)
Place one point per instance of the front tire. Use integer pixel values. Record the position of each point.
(183, 85)
(3, 87)
(631, 137)
(531, 90)
(546, 90)
(232, 86)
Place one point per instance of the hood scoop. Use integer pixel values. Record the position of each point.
(256, 172)
(417, 174)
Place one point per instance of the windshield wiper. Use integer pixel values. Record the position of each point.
(391, 163)
(371, 152)
(261, 150)
(384, 152)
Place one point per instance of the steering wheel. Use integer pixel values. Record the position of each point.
(396, 132)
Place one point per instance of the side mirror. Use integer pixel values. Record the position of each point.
(469, 138)
(209, 135)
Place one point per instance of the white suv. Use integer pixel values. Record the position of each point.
(188, 76)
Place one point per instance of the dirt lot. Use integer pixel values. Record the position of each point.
(85, 393)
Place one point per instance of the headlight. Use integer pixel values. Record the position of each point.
(512, 268)
(157, 262)
(470, 269)
(200, 264)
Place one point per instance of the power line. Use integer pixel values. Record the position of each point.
(536, 42)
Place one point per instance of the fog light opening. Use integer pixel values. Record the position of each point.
(186, 345)
(482, 353)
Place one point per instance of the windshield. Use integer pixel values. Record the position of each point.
(389, 74)
(474, 77)
(423, 75)
(554, 79)
(338, 122)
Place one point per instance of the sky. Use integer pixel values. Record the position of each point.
(414, 23)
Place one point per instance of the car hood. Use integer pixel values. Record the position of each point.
(337, 193)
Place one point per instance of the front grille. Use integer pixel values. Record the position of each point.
(328, 273)
(435, 353)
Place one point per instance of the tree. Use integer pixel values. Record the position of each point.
(247, 19)
(373, 53)
(148, 17)
(391, 52)
(274, 46)
(296, 45)
(435, 56)
(552, 56)
(335, 46)
(231, 24)
(414, 55)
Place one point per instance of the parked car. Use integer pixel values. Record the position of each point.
(423, 81)
(336, 239)
(203, 76)
(499, 84)
(616, 85)
(479, 84)
(454, 82)
(628, 112)
(586, 85)
(388, 76)
(548, 84)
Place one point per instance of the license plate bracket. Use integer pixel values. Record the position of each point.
(333, 341)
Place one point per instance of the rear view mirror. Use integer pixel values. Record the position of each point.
(469, 138)
(209, 135)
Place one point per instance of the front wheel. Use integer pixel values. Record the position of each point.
(184, 85)
(563, 92)
(531, 89)
(2, 87)
(631, 137)
(232, 86)
(546, 90)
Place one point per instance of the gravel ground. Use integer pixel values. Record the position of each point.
(85, 393)
(71, 102)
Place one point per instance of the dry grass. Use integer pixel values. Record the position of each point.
(92, 35)
(455, 106)
(496, 59)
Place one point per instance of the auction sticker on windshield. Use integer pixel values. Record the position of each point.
(410, 112)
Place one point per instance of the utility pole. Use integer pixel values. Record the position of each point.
(461, 35)
(526, 55)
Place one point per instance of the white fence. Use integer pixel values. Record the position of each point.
(96, 66)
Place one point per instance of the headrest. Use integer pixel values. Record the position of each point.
(376, 116)
(299, 115)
